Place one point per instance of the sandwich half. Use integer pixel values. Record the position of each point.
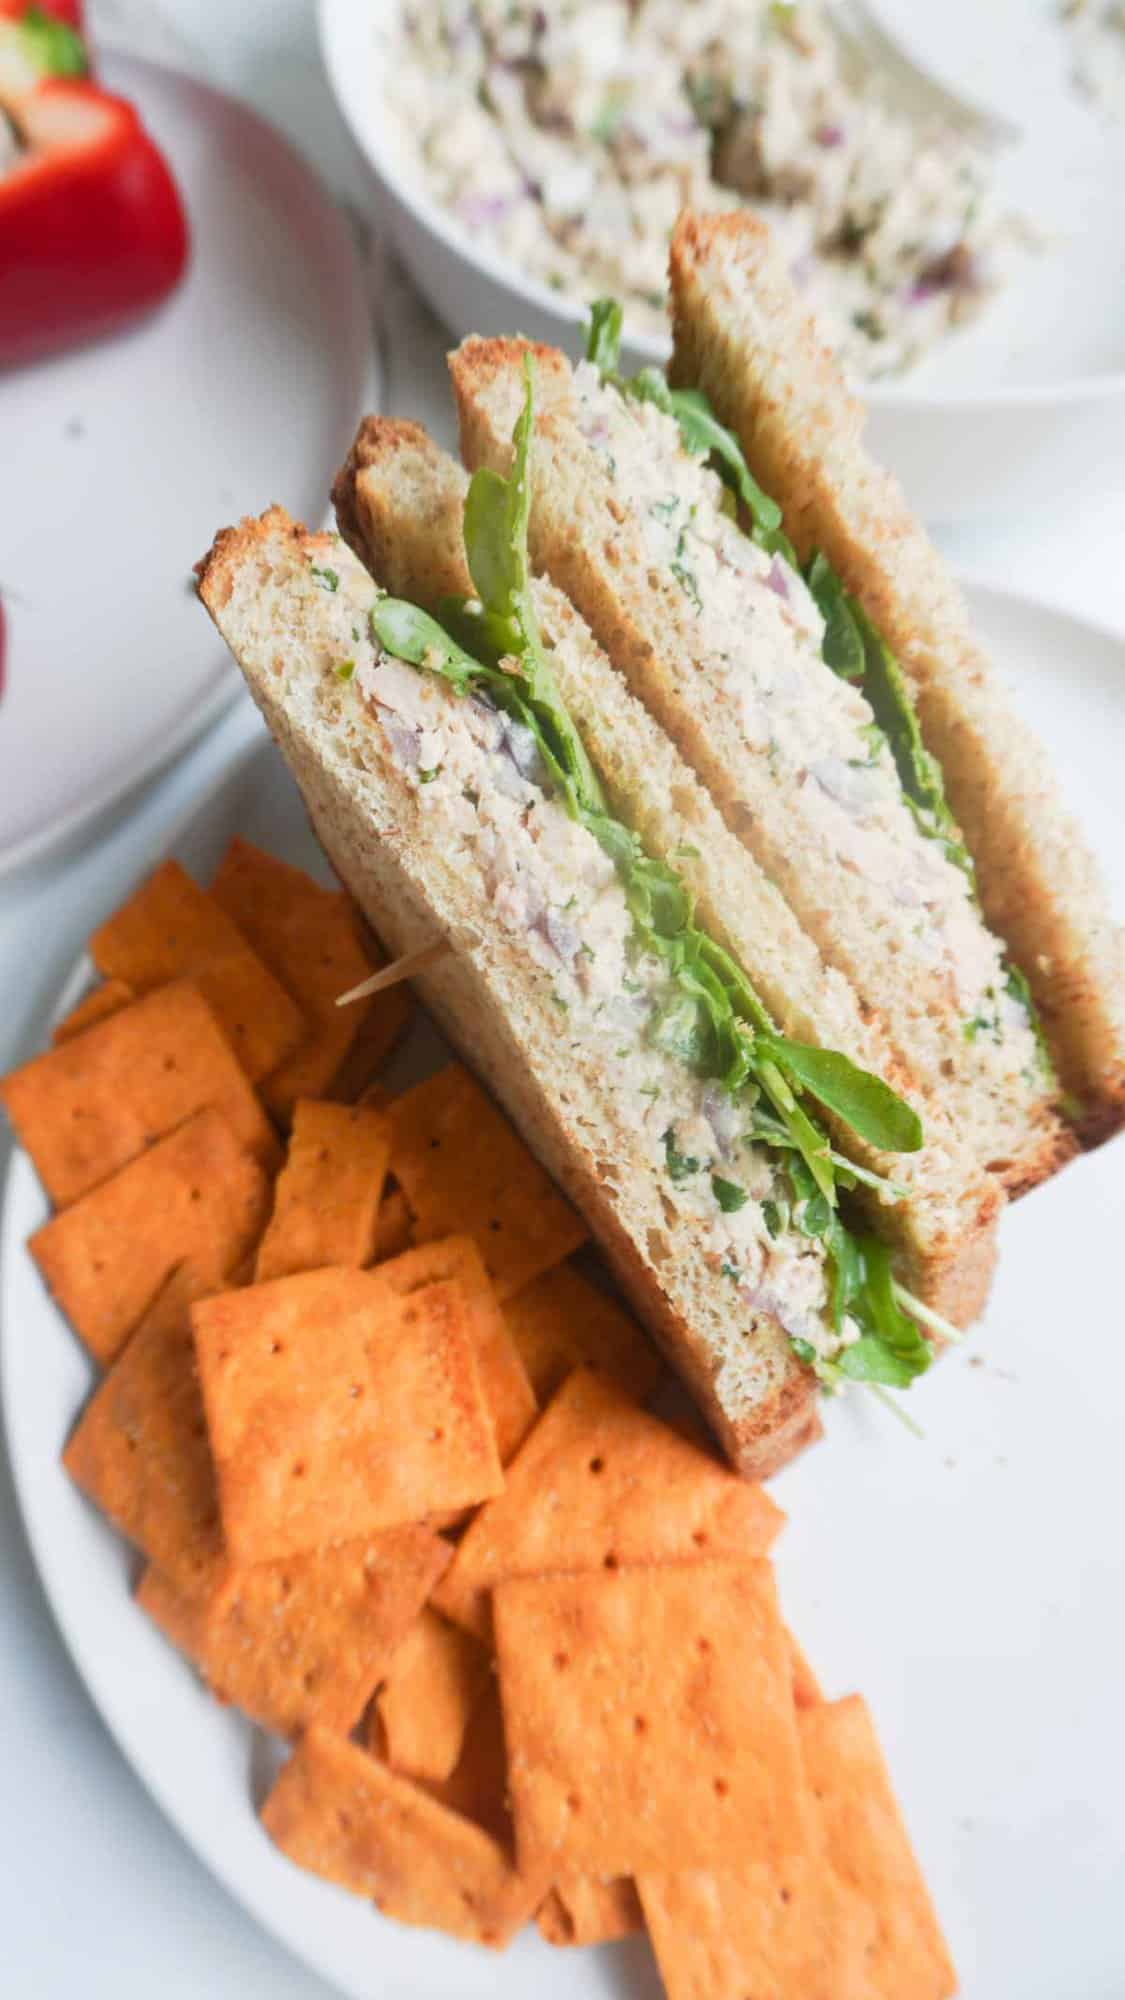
(455, 790)
(743, 337)
(785, 699)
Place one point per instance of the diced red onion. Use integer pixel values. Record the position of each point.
(405, 743)
(777, 579)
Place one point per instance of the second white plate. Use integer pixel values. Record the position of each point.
(120, 459)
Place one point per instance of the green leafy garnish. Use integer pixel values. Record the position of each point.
(842, 646)
(327, 578)
(862, 1100)
(680, 1166)
(728, 1194)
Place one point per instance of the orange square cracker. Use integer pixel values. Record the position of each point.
(171, 929)
(96, 1005)
(89, 1106)
(649, 1712)
(465, 1171)
(327, 1197)
(561, 1321)
(802, 1935)
(309, 938)
(306, 1640)
(339, 1812)
(195, 1196)
(503, 1378)
(600, 1482)
(427, 1696)
(139, 1450)
(868, 1846)
(336, 1408)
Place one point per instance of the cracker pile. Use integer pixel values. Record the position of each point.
(383, 1447)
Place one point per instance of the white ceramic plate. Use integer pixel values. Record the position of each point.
(120, 460)
(1027, 404)
(971, 1585)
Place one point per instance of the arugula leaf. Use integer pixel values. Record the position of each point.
(867, 1104)
(842, 648)
(603, 340)
(414, 636)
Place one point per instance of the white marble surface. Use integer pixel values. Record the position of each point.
(97, 1896)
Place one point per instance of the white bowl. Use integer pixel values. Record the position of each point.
(1024, 408)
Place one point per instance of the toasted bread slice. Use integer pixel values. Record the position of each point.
(399, 501)
(743, 336)
(729, 664)
(396, 855)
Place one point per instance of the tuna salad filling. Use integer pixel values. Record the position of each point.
(723, 1104)
(569, 136)
(813, 691)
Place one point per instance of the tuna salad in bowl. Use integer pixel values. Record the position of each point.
(528, 158)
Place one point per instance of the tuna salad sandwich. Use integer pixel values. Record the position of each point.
(737, 1133)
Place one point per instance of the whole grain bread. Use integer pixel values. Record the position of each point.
(399, 502)
(585, 537)
(743, 335)
(490, 998)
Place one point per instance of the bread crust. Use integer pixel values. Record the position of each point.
(743, 336)
(371, 827)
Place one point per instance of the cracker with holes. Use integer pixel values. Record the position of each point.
(96, 1005)
(172, 929)
(140, 1452)
(720, 1936)
(507, 1391)
(590, 1909)
(328, 1194)
(86, 1108)
(601, 1483)
(649, 1712)
(339, 1812)
(561, 1321)
(196, 1196)
(336, 1408)
(869, 1847)
(306, 1640)
(428, 1695)
(309, 938)
(465, 1171)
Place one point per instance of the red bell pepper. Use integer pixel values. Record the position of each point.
(92, 231)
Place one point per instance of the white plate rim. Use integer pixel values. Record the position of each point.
(354, 311)
(337, 25)
(107, 1698)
